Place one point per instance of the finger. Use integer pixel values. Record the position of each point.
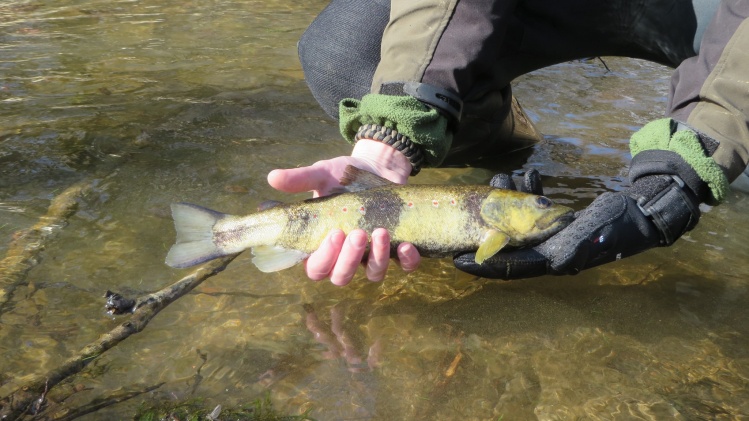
(349, 352)
(374, 357)
(379, 255)
(322, 334)
(502, 181)
(321, 262)
(519, 264)
(349, 258)
(409, 257)
(297, 180)
(532, 182)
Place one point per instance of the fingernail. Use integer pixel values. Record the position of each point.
(380, 235)
(407, 263)
(341, 282)
(336, 237)
(357, 239)
(378, 277)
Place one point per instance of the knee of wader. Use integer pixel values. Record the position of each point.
(340, 50)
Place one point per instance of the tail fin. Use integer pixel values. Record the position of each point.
(194, 225)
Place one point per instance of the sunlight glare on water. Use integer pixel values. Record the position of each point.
(162, 101)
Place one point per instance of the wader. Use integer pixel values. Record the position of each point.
(475, 48)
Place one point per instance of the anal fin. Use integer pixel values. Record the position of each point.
(275, 258)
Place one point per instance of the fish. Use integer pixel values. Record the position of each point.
(439, 220)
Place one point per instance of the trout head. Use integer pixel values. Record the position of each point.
(525, 218)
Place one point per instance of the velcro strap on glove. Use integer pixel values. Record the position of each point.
(674, 210)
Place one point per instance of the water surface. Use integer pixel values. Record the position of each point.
(162, 101)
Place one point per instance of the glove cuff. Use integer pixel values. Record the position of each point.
(658, 162)
(663, 135)
(425, 126)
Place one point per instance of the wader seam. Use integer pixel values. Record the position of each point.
(446, 17)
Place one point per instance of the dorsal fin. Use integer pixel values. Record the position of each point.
(268, 204)
(355, 179)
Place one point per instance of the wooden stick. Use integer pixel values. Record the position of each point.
(100, 403)
(18, 403)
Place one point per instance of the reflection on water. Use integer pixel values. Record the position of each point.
(161, 101)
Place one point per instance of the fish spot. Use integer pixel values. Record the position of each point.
(435, 203)
(410, 204)
(362, 210)
(453, 202)
(344, 209)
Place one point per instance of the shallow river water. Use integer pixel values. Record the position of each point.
(151, 102)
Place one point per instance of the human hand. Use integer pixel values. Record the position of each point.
(339, 342)
(323, 177)
(339, 255)
(661, 205)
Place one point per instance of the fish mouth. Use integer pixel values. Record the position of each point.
(559, 221)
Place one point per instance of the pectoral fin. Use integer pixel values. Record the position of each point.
(492, 242)
(274, 258)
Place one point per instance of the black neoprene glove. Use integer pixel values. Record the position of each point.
(661, 205)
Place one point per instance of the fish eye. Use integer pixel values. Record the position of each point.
(543, 202)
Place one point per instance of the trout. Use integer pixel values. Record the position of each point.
(439, 220)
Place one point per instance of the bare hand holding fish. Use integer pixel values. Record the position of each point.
(340, 255)
(438, 220)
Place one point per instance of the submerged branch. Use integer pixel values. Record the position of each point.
(100, 403)
(18, 403)
(27, 245)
